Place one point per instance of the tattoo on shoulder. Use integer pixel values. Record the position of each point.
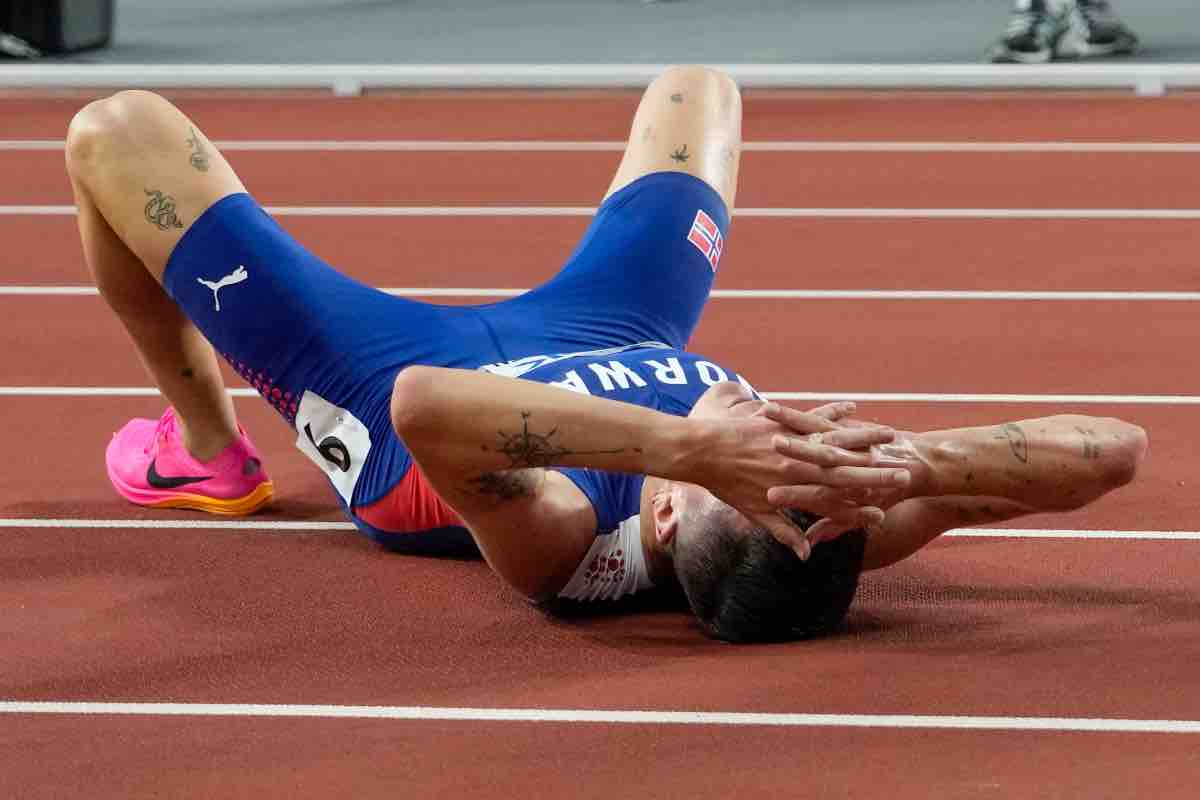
(199, 155)
(677, 97)
(1091, 447)
(527, 448)
(160, 210)
(1016, 440)
(681, 155)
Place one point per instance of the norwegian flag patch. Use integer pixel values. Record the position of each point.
(708, 239)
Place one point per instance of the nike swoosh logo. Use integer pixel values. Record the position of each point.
(159, 482)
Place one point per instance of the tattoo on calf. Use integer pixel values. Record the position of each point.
(1016, 440)
(1091, 448)
(199, 156)
(681, 155)
(160, 211)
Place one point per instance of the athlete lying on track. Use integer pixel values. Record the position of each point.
(566, 492)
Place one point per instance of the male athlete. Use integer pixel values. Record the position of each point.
(415, 414)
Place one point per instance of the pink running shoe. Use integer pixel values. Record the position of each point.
(148, 465)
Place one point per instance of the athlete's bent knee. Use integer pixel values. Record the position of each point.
(103, 123)
(704, 88)
(697, 73)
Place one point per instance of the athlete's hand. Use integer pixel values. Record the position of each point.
(805, 453)
(883, 447)
(875, 477)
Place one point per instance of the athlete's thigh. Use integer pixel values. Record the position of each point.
(644, 268)
(148, 169)
(641, 274)
(322, 348)
(689, 120)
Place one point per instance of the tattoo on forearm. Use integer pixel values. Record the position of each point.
(1016, 440)
(681, 155)
(1091, 448)
(199, 156)
(160, 210)
(529, 449)
(508, 484)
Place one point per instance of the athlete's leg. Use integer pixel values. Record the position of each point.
(142, 174)
(689, 120)
(645, 266)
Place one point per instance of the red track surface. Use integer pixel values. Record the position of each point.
(972, 626)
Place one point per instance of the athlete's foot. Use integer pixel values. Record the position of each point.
(149, 465)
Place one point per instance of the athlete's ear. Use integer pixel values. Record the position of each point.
(666, 514)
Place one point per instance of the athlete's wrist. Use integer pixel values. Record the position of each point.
(677, 447)
(926, 469)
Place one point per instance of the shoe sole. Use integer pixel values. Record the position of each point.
(233, 506)
(236, 507)
(1016, 57)
(1073, 46)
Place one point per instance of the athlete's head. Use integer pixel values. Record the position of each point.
(740, 581)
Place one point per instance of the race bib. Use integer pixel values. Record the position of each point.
(333, 439)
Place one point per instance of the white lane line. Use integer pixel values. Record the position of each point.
(737, 294)
(588, 211)
(592, 716)
(878, 397)
(308, 526)
(547, 146)
(179, 524)
(1033, 533)
(733, 294)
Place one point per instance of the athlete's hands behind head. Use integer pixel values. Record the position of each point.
(872, 440)
(830, 472)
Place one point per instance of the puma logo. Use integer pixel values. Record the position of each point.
(237, 276)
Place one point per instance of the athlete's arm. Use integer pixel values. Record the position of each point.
(484, 441)
(979, 476)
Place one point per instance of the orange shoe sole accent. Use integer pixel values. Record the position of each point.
(236, 506)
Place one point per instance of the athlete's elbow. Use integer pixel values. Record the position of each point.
(1124, 458)
(412, 395)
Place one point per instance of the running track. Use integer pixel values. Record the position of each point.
(1025, 658)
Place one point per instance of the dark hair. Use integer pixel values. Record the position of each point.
(749, 587)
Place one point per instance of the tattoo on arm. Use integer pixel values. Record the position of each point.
(199, 156)
(527, 448)
(1091, 448)
(677, 97)
(681, 155)
(160, 211)
(1016, 440)
(187, 373)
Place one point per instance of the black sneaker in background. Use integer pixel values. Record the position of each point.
(1095, 30)
(1032, 36)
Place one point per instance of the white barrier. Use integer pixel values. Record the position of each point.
(352, 79)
